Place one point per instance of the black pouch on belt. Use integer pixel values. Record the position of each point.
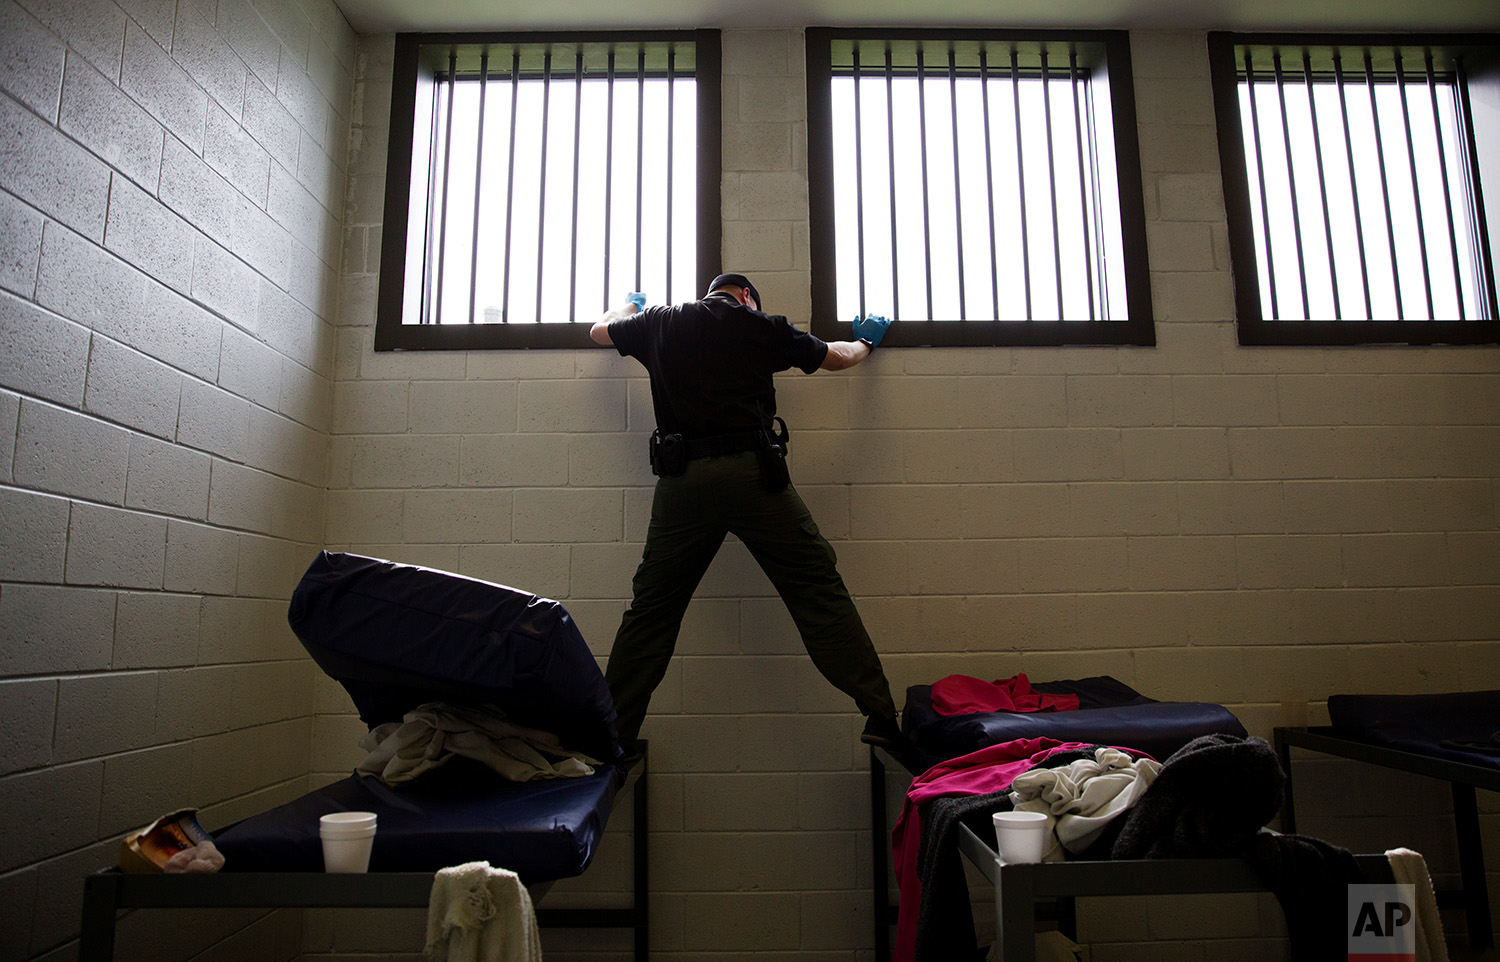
(668, 454)
(774, 438)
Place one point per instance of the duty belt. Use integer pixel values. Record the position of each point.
(717, 444)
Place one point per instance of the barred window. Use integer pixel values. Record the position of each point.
(535, 179)
(1352, 174)
(981, 187)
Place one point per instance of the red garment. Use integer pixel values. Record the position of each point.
(990, 769)
(965, 694)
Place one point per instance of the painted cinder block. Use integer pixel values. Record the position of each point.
(1216, 400)
(568, 516)
(31, 707)
(250, 368)
(240, 496)
(1395, 560)
(1289, 561)
(200, 559)
(20, 246)
(230, 149)
(1232, 507)
(457, 516)
(132, 389)
(52, 173)
(1185, 562)
(1070, 454)
(1013, 510)
(514, 460)
(214, 420)
(155, 630)
(10, 413)
(570, 406)
(252, 40)
(462, 407)
(45, 355)
(208, 58)
(99, 116)
(134, 792)
(193, 702)
(149, 76)
(150, 236)
(165, 478)
(115, 547)
(301, 97)
(103, 714)
(1181, 453)
(33, 536)
(65, 452)
(170, 328)
(51, 629)
(1110, 508)
(31, 61)
(71, 793)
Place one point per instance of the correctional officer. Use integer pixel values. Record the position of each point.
(720, 470)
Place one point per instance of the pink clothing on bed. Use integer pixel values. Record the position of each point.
(965, 694)
(990, 769)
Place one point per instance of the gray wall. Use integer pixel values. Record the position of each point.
(171, 194)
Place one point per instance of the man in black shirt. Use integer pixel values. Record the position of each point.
(711, 363)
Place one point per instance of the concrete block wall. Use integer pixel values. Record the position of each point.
(1258, 527)
(171, 194)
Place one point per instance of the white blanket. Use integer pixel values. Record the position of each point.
(1082, 797)
(481, 914)
(430, 735)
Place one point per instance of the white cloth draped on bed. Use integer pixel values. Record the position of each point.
(432, 734)
(1082, 797)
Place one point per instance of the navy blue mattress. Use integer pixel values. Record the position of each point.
(1459, 726)
(461, 812)
(1110, 713)
(397, 636)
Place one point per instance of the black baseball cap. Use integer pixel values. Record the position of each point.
(738, 280)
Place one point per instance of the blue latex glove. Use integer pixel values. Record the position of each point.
(872, 328)
(638, 299)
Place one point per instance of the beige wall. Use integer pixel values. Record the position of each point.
(1260, 527)
(1257, 527)
(171, 195)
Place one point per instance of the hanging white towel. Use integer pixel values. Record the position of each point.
(430, 735)
(477, 913)
(1082, 797)
(1410, 868)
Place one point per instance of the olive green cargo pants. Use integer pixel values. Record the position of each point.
(690, 515)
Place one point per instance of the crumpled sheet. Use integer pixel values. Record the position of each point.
(433, 734)
(1081, 798)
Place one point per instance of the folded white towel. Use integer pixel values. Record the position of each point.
(1410, 868)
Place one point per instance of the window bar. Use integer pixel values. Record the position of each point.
(1015, 94)
(640, 156)
(429, 253)
(447, 171)
(890, 146)
(1385, 192)
(1312, 103)
(1458, 286)
(989, 179)
(510, 180)
(1052, 184)
(859, 185)
(1102, 287)
(1359, 229)
(1260, 173)
(609, 164)
(922, 140)
(1484, 277)
(671, 124)
(1291, 180)
(958, 204)
(577, 141)
(1416, 196)
(484, 82)
(1083, 184)
(541, 198)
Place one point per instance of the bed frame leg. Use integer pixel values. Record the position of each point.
(1471, 868)
(640, 827)
(881, 872)
(101, 896)
(1015, 915)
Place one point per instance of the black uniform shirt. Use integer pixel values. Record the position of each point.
(711, 362)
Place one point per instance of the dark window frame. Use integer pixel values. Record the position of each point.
(1115, 72)
(1252, 325)
(390, 332)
